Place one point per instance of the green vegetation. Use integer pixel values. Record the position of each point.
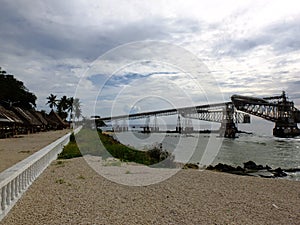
(14, 93)
(70, 151)
(89, 143)
(65, 106)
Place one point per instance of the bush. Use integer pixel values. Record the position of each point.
(71, 150)
(72, 137)
(90, 144)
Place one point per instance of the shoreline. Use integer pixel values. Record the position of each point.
(69, 191)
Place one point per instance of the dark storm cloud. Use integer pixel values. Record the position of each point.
(58, 40)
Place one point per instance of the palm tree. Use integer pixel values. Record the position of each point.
(70, 106)
(76, 108)
(63, 103)
(62, 107)
(52, 101)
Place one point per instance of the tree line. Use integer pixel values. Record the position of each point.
(65, 106)
(14, 93)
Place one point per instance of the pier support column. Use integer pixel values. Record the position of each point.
(155, 125)
(285, 129)
(286, 124)
(228, 128)
(146, 128)
(188, 126)
(178, 126)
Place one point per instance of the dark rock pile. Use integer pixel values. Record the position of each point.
(250, 169)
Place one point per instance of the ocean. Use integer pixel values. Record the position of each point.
(209, 149)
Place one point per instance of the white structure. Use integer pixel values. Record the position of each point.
(15, 180)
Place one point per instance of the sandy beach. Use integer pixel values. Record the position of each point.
(70, 192)
(13, 150)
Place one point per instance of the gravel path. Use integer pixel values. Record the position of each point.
(13, 150)
(70, 192)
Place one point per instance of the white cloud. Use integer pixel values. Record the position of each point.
(246, 45)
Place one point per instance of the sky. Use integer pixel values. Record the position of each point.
(129, 56)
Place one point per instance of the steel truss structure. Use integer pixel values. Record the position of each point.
(211, 112)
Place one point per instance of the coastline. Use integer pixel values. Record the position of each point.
(69, 191)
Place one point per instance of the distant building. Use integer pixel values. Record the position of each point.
(15, 120)
(55, 121)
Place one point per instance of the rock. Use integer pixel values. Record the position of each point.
(240, 169)
(250, 165)
(292, 170)
(267, 167)
(227, 168)
(279, 172)
(251, 169)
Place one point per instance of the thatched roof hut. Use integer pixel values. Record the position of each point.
(55, 121)
(31, 123)
(27, 117)
(9, 122)
(17, 120)
(3, 117)
(40, 116)
(8, 116)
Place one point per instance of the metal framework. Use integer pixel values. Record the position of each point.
(210, 112)
(269, 110)
(276, 109)
(217, 116)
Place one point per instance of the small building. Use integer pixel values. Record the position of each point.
(42, 118)
(31, 123)
(10, 123)
(55, 121)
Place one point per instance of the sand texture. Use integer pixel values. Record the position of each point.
(70, 192)
(13, 150)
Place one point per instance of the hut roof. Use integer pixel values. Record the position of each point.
(8, 116)
(29, 118)
(54, 117)
(51, 122)
(39, 116)
(3, 117)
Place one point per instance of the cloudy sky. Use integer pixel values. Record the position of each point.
(130, 56)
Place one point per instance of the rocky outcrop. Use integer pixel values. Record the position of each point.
(250, 169)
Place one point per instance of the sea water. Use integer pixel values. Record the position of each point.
(209, 149)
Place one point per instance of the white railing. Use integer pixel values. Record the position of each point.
(15, 180)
